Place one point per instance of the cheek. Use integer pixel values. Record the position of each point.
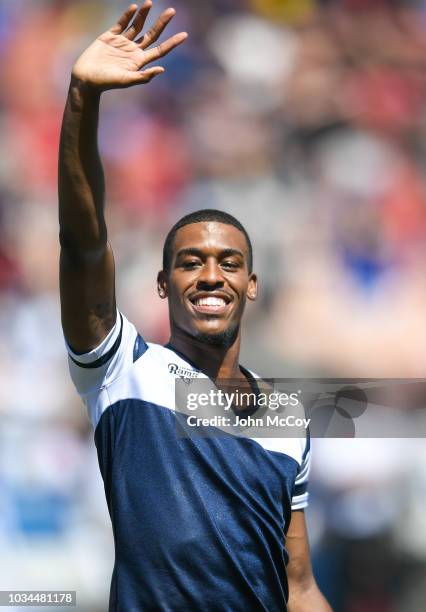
(177, 298)
(175, 289)
(181, 283)
(241, 290)
(242, 303)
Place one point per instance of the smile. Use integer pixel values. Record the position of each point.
(210, 304)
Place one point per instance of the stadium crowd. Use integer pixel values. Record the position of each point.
(307, 121)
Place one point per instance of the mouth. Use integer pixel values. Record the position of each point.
(210, 304)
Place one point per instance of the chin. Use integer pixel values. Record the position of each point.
(222, 338)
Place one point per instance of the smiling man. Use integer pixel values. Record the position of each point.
(207, 523)
(203, 308)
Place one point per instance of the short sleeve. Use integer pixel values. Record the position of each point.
(93, 370)
(300, 492)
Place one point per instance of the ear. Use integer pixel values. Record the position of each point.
(162, 285)
(252, 287)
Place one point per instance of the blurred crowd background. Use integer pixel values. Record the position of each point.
(307, 121)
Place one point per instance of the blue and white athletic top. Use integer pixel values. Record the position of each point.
(199, 523)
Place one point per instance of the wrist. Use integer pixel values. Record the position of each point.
(81, 92)
(83, 86)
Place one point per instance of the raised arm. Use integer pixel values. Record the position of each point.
(114, 60)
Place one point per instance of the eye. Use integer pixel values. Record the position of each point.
(191, 264)
(230, 265)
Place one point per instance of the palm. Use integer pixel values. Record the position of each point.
(111, 59)
(115, 60)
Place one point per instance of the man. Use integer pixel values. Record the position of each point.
(199, 523)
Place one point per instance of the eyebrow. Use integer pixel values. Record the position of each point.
(198, 253)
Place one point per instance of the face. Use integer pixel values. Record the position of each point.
(208, 282)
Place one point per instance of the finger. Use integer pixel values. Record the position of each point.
(158, 27)
(123, 22)
(165, 47)
(138, 21)
(146, 75)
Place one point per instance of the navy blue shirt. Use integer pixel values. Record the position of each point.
(199, 523)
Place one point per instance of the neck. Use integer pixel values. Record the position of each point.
(215, 361)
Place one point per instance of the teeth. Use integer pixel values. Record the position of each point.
(210, 301)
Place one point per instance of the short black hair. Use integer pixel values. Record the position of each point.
(199, 216)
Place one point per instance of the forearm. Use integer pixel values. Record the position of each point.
(113, 61)
(81, 178)
(307, 600)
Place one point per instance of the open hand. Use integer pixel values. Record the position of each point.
(114, 60)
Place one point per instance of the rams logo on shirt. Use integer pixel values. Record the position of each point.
(185, 373)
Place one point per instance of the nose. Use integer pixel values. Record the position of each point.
(210, 276)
